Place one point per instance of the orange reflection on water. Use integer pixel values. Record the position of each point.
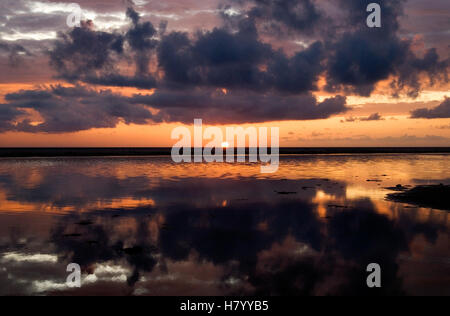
(64, 185)
(147, 226)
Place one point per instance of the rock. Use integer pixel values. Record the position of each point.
(433, 196)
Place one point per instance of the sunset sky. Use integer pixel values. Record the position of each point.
(134, 70)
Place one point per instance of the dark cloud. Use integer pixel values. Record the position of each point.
(372, 117)
(140, 39)
(362, 56)
(14, 52)
(236, 107)
(92, 56)
(299, 73)
(413, 70)
(70, 109)
(190, 70)
(117, 80)
(441, 111)
(358, 62)
(7, 114)
(354, 59)
(85, 53)
(237, 61)
(300, 15)
(75, 108)
(215, 58)
(356, 11)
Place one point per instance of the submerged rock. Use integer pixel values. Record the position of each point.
(285, 192)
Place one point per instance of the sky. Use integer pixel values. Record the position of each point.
(133, 70)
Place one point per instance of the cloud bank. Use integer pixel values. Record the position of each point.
(71, 109)
(441, 111)
(233, 73)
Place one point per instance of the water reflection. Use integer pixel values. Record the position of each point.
(145, 226)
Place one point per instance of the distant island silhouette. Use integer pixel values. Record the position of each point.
(166, 151)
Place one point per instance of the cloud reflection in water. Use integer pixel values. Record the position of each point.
(207, 235)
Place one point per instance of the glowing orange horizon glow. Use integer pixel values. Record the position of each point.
(329, 132)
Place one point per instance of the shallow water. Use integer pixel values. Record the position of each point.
(147, 226)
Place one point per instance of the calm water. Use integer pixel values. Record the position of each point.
(146, 226)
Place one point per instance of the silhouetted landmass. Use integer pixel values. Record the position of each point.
(153, 151)
(434, 196)
(399, 188)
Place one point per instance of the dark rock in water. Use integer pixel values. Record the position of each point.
(85, 223)
(398, 188)
(285, 193)
(337, 206)
(433, 196)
